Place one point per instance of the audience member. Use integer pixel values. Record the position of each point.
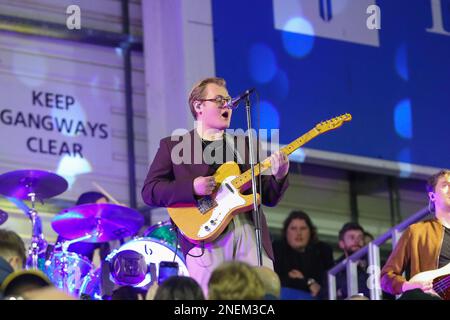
(12, 253)
(128, 293)
(271, 282)
(235, 280)
(301, 260)
(179, 288)
(368, 237)
(351, 239)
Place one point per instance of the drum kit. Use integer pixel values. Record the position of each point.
(135, 263)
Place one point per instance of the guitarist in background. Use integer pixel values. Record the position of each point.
(424, 245)
(170, 182)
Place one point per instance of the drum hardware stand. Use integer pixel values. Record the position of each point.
(64, 248)
(38, 243)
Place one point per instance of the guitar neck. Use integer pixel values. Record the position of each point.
(245, 177)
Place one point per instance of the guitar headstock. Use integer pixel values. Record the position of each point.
(333, 123)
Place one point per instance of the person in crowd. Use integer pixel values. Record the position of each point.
(235, 280)
(301, 260)
(351, 239)
(368, 237)
(271, 282)
(12, 253)
(31, 284)
(128, 293)
(179, 288)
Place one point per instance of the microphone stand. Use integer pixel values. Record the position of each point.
(256, 211)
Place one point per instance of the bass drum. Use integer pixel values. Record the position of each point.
(136, 263)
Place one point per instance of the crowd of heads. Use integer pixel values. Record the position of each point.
(232, 280)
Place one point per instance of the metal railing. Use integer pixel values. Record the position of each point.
(373, 252)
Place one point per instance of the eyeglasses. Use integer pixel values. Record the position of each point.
(220, 100)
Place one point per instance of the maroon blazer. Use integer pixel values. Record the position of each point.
(168, 183)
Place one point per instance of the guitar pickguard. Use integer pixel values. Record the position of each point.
(227, 198)
(205, 204)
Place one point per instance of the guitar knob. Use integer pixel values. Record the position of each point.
(213, 222)
(206, 228)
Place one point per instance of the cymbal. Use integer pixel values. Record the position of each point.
(19, 184)
(104, 221)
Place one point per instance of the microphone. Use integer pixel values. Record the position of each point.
(233, 104)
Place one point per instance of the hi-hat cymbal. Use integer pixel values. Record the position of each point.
(104, 221)
(21, 183)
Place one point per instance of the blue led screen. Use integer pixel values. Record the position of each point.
(395, 81)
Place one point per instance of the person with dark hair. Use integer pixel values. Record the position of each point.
(301, 260)
(12, 253)
(31, 284)
(182, 173)
(21, 281)
(128, 293)
(179, 288)
(351, 239)
(423, 246)
(368, 237)
(14, 280)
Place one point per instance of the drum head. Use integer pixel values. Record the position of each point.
(164, 231)
(129, 267)
(136, 263)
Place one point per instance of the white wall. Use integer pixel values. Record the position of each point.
(179, 51)
(104, 15)
(94, 76)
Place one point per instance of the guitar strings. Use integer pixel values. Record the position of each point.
(442, 284)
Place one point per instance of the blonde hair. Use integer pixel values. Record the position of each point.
(198, 91)
(235, 281)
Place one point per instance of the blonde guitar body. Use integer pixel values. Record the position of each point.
(206, 219)
(200, 224)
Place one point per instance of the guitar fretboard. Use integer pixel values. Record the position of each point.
(245, 177)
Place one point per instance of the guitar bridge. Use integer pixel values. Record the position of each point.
(206, 203)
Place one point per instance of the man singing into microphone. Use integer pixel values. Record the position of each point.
(170, 182)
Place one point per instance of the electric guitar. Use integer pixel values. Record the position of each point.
(206, 219)
(440, 278)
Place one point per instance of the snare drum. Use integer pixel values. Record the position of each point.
(136, 263)
(67, 270)
(163, 230)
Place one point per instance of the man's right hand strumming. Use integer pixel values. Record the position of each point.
(204, 186)
(425, 286)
